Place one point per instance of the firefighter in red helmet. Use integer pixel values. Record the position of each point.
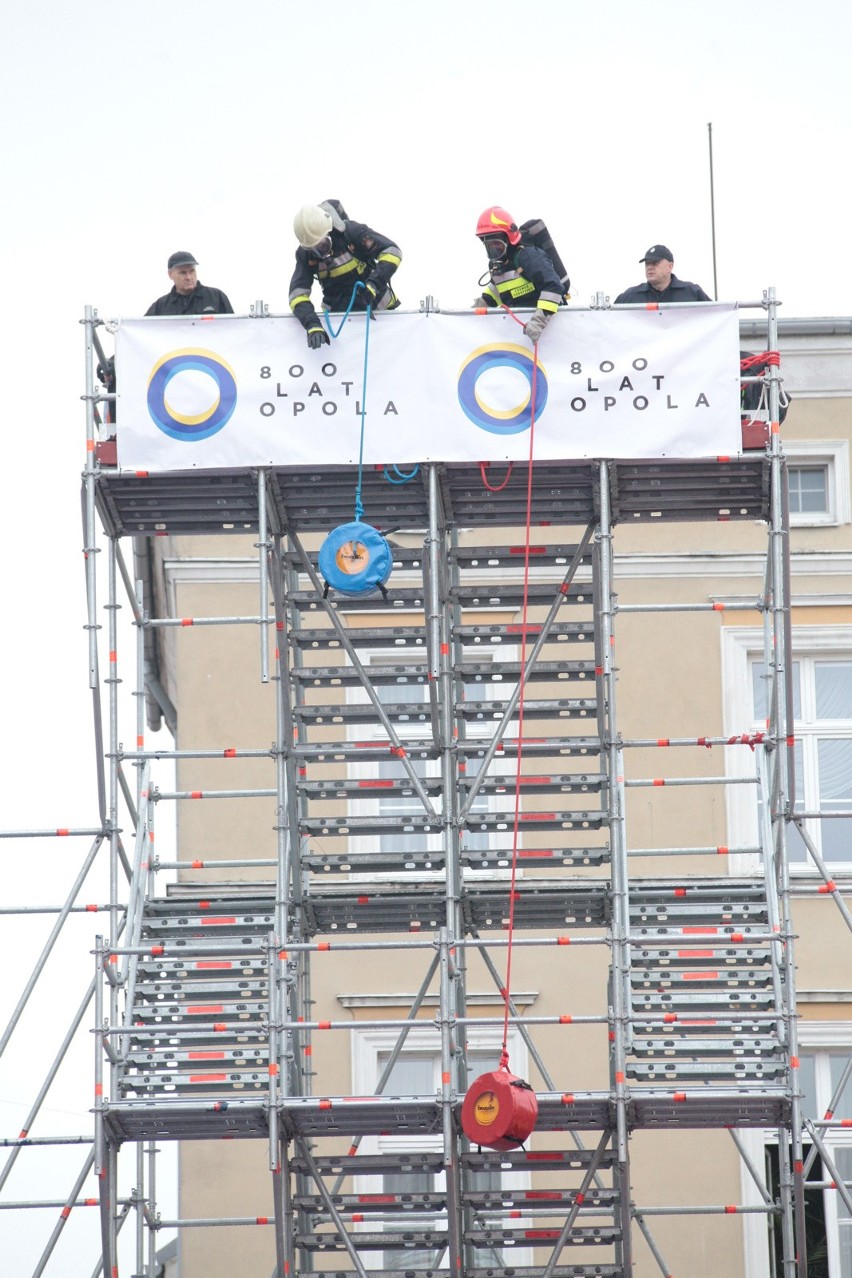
(518, 274)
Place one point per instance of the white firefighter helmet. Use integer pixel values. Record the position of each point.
(311, 225)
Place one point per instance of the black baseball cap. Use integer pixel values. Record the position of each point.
(656, 253)
(181, 259)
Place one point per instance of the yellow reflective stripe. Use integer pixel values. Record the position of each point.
(389, 257)
(296, 298)
(546, 305)
(351, 265)
(516, 287)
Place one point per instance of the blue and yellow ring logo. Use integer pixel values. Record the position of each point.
(501, 421)
(180, 425)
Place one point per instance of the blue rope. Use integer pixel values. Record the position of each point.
(332, 333)
(359, 506)
(403, 476)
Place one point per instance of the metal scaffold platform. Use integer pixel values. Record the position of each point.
(447, 783)
(420, 688)
(564, 494)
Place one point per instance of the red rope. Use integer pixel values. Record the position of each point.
(757, 362)
(504, 1055)
(483, 464)
(499, 487)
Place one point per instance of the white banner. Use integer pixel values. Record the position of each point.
(228, 391)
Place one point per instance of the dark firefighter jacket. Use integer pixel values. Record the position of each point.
(526, 278)
(357, 253)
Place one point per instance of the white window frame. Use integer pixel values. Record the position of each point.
(834, 455)
(739, 646)
(368, 1045)
(814, 1037)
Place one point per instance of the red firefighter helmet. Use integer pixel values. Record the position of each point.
(496, 221)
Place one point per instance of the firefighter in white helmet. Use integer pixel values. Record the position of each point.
(339, 253)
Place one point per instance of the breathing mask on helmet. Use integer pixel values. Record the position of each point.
(496, 246)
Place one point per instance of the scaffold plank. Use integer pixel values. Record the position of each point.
(563, 494)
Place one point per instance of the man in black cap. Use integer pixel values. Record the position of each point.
(661, 284)
(187, 296)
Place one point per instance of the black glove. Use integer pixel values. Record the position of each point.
(370, 293)
(317, 337)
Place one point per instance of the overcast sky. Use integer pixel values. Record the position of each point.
(132, 130)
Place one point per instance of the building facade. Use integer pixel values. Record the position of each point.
(617, 822)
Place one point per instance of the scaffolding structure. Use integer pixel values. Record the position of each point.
(422, 743)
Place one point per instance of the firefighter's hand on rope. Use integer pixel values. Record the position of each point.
(536, 325)
(317, 337)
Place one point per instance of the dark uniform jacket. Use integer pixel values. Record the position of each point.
(201, 301)
(357, 253)
(526, 278)
(677, 291)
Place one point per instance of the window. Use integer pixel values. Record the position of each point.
(828, 1225)
(407, 837)
(404, 838)
(818, 478)
(417, 1072)
(808, 490)
(413, 1074)
(822, 709)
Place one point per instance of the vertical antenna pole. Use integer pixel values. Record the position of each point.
(712, 213)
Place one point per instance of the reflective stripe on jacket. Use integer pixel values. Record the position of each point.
(357, 253)
(528, 279)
